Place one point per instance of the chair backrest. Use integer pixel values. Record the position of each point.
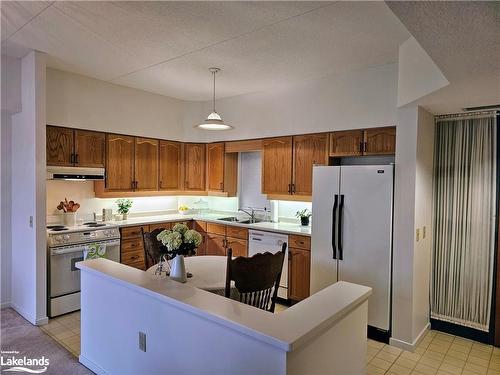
(152, 247)
(256, 278)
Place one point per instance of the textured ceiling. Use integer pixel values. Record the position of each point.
(463, 39)
(167, 47)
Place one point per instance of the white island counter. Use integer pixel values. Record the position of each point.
(192, 331)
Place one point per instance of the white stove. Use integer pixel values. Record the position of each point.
(66, 247)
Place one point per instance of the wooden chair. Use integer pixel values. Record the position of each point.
(256, 279)
(152, 247)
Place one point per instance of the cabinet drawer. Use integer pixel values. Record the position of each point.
(239, 246)
(134, 232)
(216, 228)
(152, 227)
(200, 226)
(238, 232)
(132, 245)
(300, 242)
(133, 256)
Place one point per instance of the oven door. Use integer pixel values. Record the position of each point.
(64, 276)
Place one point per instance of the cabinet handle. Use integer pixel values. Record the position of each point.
(136, 184)
(293, 188)
(361, 146)
(221, 186)
(76, 159)
(132, 184)
(289, 188)
(161, 184)
(365, 147)
(290, 255)
(72, 159)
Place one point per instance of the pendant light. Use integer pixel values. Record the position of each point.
(214, 120)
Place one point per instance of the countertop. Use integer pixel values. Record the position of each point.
(286, 330)
(286, 228)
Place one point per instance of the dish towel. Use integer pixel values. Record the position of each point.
(94, 251)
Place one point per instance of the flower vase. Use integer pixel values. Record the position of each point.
(178, 269)
(125, 216)
(304, 221)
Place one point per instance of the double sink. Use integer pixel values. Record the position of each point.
(234, 219)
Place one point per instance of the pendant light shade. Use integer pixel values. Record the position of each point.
(214, 120)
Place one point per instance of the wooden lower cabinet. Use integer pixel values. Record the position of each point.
(239, 246)
(167, 225)
(299, 268)
(215, 244)
(132, 246)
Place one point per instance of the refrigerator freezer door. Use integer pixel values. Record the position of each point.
(323, 265)
(366, 235)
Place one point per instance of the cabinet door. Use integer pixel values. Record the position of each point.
(89, 149)
(346, 143)
(170, 165)
(380, 141)
(59, 146)
(239, 246)
(146, 164)
(277, 165)
(215, 244)
(119, 162)
(308, 150)
(194, 160)
(215, 167)
(202, 249)
(299, 266)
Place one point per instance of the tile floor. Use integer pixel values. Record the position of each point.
(65, 330)
(437, 354)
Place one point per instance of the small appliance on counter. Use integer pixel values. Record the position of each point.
(107, 214)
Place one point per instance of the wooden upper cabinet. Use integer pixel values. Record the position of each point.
(215, 167)
(277, 165)
(346, 143)
(89, 149)
(308, 150)
(59, 144)
(146, 164)
(380, 141)
(170, 172)
(194, 166)
(119, 162)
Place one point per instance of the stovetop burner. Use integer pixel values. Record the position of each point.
(58, 229)
(93, 224)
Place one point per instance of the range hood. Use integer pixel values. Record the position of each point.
(74, 173)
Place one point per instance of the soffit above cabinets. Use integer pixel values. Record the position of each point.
(166, 47)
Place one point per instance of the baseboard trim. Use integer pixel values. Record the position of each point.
(91, 365)
(42, 321)
(410, 346)
(5, 305)
(30, 318)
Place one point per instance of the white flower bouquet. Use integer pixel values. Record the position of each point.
(180, 240)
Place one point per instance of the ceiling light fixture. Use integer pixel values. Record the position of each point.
(214, 120)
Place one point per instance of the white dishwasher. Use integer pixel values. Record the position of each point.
(260, 242)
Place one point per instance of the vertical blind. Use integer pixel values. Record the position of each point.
(464, 210)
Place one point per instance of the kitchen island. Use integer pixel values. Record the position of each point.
(185, 330)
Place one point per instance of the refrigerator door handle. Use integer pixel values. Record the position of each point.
(341, 214)
(334, 217)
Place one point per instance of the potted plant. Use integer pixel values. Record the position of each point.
(304, 216)
(124, 207)
(178, 243)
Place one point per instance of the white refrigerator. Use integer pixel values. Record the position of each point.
(352, 234)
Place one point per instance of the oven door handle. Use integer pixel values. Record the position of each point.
(79, 248)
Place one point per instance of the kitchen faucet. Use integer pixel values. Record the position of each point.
(252, 212)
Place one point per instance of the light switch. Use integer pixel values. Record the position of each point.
(31, 221)
(418, 234)
(142, 341)
(423, 232)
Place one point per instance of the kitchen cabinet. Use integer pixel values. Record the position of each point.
(299, 266)
(376, 141)
(222, 170)
(146, 164)
(167, 225)
(346, 143)
(194, 166)
(380, 141)
(120, 150)
(132, 246)
(221, 237)
(70, 147)
(201, 227)
(277, 165)
(308, 150)
(170, 166)
(216, 244)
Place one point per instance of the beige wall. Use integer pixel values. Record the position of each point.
(83, 102)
